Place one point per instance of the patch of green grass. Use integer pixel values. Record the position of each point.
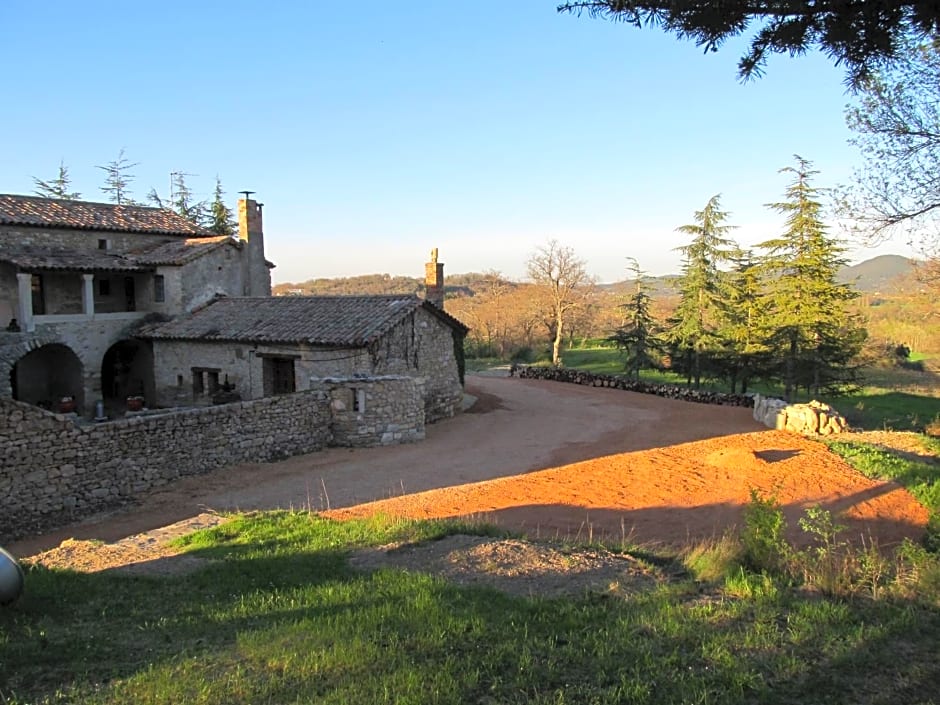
(279, 617)
(875, 409)
(921, 477)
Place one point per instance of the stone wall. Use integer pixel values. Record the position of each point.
(82, 239)
(197, 282)
(423, 345)
(56, 471)
(670, 391)
(376, 411)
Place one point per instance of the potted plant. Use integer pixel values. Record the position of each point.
(67, 404)
(135, 402)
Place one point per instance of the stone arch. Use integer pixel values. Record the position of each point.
(47, 374)
(127, 370)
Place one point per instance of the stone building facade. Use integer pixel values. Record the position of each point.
(256, 347)
(77, 279)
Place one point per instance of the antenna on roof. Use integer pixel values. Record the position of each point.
(247, 194)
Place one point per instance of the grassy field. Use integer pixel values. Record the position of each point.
(278, 616)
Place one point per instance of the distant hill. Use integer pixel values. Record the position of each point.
(878, 275)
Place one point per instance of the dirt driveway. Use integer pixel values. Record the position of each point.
(554, 460)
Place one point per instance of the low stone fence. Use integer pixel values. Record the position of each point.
(56, 470)
(670, 391)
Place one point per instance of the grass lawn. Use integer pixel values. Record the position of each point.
(278, 616)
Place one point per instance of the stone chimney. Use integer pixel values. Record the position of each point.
(256, 276)
(434, 281)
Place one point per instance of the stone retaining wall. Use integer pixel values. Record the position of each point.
(56, 470)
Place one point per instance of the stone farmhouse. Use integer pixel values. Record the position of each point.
(77, 278)
(119, 303)
(263, 346)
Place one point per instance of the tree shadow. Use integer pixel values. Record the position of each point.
(776, 456)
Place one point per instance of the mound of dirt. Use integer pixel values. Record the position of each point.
(674, 495)
(517, 567)
(739, 459)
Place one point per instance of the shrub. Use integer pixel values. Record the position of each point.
(523, 354)
(827, 564)
(765, 548)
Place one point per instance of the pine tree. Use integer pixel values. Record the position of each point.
(744, 355)
(693, 327)
(221, 220)
(813, 334)
(57, 187)
(183, 201)
(118, 179)
(637, 338)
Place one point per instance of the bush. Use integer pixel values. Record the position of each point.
(765, 548)
(523, 355)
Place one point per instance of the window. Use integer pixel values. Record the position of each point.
(104, 287)
(278, 376)
(104, 244)
(39, 295)
(358, 399)
(159, 288)
(199, 384)
(205, 381)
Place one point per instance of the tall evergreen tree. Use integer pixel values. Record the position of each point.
(637, 338)
(221, 219)
(118, 179)
(812, 332)
(57, 187)
(181, 200)
(693, 328)
(742, 326)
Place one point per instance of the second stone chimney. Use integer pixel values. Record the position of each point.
(434, 281)
(256, 276)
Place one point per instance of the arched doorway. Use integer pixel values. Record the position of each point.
(127, 370)
(47, 375)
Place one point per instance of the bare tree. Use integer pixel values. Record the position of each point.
(562, 275)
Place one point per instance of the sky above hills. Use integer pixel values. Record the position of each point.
(375, 131)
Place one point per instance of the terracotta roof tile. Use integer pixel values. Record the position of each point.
(332, 321)
(181, 252)
(47, 259)
(34, 211)
(176, 253)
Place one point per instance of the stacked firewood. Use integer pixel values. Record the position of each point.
(670, 391)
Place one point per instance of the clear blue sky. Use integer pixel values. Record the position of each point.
(374, 131)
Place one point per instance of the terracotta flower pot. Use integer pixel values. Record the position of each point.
(135, 403)
(66, 405)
